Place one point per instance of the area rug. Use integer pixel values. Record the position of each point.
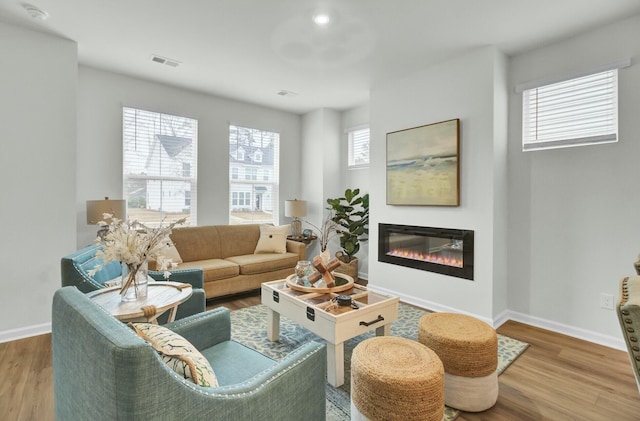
(249, 327)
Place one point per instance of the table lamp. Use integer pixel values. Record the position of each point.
(295, 209)
(97, 208)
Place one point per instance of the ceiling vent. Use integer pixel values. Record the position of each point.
(287, 93)
(166, 61)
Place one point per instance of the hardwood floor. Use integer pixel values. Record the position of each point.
(556, 378)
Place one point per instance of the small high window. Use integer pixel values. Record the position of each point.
(571, 112)
(358, 154)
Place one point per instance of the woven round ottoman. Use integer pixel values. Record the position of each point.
(396, 379)
(468, 349)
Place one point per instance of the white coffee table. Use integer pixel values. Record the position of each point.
(309, 309)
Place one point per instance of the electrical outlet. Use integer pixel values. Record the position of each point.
(606, 301)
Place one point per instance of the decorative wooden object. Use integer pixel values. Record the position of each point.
(291, 283)
(324, 271)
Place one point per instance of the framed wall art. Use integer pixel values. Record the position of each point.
(423, 165)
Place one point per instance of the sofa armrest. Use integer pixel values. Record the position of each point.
(206, 329)
(297, 247)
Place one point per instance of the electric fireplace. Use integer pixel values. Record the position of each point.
(441, 250)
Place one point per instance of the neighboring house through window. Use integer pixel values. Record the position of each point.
(253, 152)
(160, 153)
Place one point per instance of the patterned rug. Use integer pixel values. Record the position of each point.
(249, 327)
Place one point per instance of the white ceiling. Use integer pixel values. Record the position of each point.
(252, 49)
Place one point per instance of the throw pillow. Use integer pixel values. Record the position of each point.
(171, 252)
(272, 239)
(178, 353)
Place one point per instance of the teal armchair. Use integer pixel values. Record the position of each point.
(103, 371)
(75, 272)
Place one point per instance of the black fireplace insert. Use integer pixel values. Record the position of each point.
(441, 250)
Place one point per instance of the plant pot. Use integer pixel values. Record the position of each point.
(350, 269)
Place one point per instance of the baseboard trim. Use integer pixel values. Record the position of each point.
(499, 320)
(25, 332)
(576, 332)
(425, 304)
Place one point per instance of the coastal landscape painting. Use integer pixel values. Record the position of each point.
(423, 165)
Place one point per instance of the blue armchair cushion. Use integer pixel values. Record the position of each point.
(178, 353)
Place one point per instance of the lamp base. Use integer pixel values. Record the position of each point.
(102, 233)
(296, 228)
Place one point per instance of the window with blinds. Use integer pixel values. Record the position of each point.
(358, 154)
(160, 155)
(579, 111)
(253, 176)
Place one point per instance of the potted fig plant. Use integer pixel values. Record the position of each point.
(351, 216)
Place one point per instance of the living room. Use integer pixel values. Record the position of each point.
(554, 229)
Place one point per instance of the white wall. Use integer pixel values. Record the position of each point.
(101, 96)
(320, 164)
(573, 213)
(355, 178)
(463, 88)
(37, 167)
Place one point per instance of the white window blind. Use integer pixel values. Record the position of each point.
(358, 154)
(573, 112)
(253, 198)
(159, 166)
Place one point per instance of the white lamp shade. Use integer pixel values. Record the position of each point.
(295, 208)
(97, 208)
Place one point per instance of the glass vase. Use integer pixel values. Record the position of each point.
(134, 281)
(303, 270)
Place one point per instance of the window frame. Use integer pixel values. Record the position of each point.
(576, 109)
(178, 166)
(351, 144)
(251, 189)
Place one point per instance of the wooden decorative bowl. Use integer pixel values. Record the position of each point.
(340, 277)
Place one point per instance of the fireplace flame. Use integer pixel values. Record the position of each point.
(427, 257)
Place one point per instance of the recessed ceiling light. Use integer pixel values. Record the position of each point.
(35, 12)
(321, 19)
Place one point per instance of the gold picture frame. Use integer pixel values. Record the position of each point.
(423, 165)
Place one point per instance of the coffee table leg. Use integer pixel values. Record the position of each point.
(273, 325)
(383, 330)
(335, 364)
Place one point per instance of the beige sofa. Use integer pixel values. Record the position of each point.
(226, 255)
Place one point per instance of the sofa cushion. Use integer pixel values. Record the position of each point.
(197, 243)
(237, 240)
(214, 269)
(251, 264)
(178, 353)
(272, 239)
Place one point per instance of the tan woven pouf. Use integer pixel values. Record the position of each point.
(468, 349)
(396, 379)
